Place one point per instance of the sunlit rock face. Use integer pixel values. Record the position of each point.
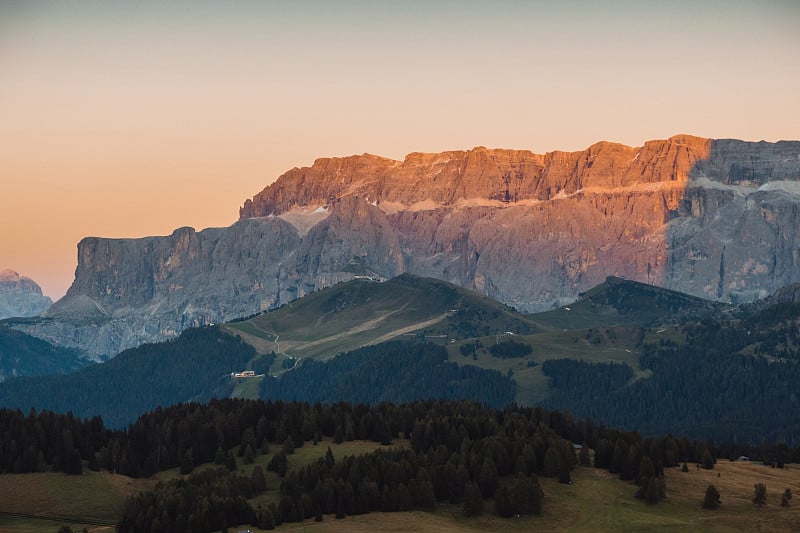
(20, 296)
(713, 218)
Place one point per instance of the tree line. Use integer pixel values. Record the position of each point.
(460, 452)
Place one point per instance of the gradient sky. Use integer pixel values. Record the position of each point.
(126, 119)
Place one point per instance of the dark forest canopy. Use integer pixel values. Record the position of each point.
(195, 366)
(453, 451)
(24, 355)
(728, 379)
(392, 371)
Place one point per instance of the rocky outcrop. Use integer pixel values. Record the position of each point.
(20, 296)
(450, 179)
(712, 218)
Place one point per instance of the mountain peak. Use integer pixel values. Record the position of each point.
(7, 275)
(11, 280)
(20, 296)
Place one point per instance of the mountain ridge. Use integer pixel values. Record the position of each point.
(717, 219)
(494, 174)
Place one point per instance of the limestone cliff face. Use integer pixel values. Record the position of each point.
(20, 296)
(451, 178)
(713, 218)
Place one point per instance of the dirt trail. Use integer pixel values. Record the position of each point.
(409, 329)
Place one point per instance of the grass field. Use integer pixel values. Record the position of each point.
(247, 388)
(362, 312)
(603, 345)
(98, 496)
(596, 501)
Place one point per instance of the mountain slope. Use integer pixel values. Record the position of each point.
(732, 378)
(624, 302)
(364, 311)
(717, 219)
(194, 367)
(395, 372)
(23, 355)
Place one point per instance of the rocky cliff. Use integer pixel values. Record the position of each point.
(20, 296)
(712, 218)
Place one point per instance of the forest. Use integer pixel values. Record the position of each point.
(195, 366)
(392, 371)
(442, 451)
(21, 354)
(733, 380)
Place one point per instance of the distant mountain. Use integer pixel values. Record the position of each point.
(23, 355)
(717, 219)
(20, 296)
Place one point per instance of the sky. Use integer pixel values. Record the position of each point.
(133, 118)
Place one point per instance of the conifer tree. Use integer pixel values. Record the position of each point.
(760, 497)
(473, 500)
(787, 495)
(711, 500)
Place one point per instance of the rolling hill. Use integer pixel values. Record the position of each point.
(364, 312)
(624, 302)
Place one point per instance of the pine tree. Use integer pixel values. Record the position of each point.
(220, 457)
(760, 497)
(711, 500)
(230, 461)
(329, 460)
(473, 500)
(654, 490)
(708, 460)
(583, 456)
(487, 479)
(787, 495)
(249, 455)
(503, 505)
(258, 480)
(552, 462)
(187, 462)
(340, 506)
(265, 519)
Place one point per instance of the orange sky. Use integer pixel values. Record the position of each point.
(126, 119)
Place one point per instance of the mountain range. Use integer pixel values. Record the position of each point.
(625, 353)
(716, 219)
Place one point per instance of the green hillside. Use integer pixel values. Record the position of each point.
(361, 312)
(622, 302)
